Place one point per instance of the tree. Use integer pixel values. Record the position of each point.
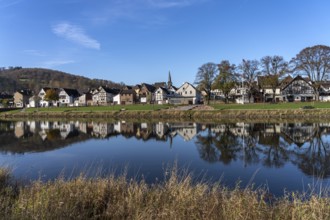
(205, 78)
(250, 72)
(273, 67)
(51, 95)
(315, 63)
(226, 80)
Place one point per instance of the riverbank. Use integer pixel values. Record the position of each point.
(178, 197)
(173, 114)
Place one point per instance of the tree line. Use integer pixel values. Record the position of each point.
(312, 62)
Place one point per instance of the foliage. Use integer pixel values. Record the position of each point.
(226, 80)
(205, 78)
(13, 79)
(273, 67)
(51, 95)
(313, 62)
(250, 72)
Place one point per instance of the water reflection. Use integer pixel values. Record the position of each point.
(305, 145)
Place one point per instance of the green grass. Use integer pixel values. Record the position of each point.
(178, 197)
(265, 106)
(136, 107)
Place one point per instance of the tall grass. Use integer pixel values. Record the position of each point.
(178, 197)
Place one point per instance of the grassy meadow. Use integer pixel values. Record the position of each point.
(271, 106)
(155, 107)
(178, 197)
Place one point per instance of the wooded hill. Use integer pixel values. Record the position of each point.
(13, 79)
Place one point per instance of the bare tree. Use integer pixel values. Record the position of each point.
(250, 72)
(315, 63)
(273, 67)
(226, 80)
(205, 78)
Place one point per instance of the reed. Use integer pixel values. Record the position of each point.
(178, 197)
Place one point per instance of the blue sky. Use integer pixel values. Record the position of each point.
(134, 41)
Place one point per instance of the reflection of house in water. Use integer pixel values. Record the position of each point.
(32, 126)
(162, 130)
(298, 133)
(186, 130)
(240, 129)
(103, 130)
(19, 129)
(268, 134)
(127, 129)
(144, 131)
(53, 129)
(86, 127)
(66, 129)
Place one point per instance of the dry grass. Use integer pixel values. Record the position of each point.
(176, 198)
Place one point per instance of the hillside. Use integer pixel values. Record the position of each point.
(36, 78)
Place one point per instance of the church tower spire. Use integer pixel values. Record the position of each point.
(169, 82)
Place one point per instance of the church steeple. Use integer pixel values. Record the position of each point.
(169, 82)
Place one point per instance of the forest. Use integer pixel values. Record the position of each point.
(15, 78)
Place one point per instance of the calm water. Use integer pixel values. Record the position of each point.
(283, 156)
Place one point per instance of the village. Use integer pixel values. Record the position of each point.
(289, 89)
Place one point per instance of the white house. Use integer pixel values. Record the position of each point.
(46, 103)
(85, 99)
(104, 96)
(68, 96)
(161, 95)
(299, 89)
(186, 94)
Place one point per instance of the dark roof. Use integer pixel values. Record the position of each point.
(128, 87)
(127, 91)
(149, 87)
(110, 90)
(164, 89)
(137, 86)
(72, 92)
(25, 92)
(285, 81)
(160, 84)
(298, 78)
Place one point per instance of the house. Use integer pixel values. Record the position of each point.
(47, 103)
(299, 89)
(67, 97)
(127, 97)
(241, 95)
(325, 91)
(104, 95)
(161, 95)
(186, 94)
(146, 93)
(266, 89)
(34, 101)
(21, 98)
(85, 99)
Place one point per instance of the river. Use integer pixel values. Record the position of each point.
(284, 156)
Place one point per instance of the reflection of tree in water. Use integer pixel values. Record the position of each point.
(314, 157)
(250, 147)
(222, 146)
(205, 146)
(228, 145)
(273, 148)
(53, 134)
